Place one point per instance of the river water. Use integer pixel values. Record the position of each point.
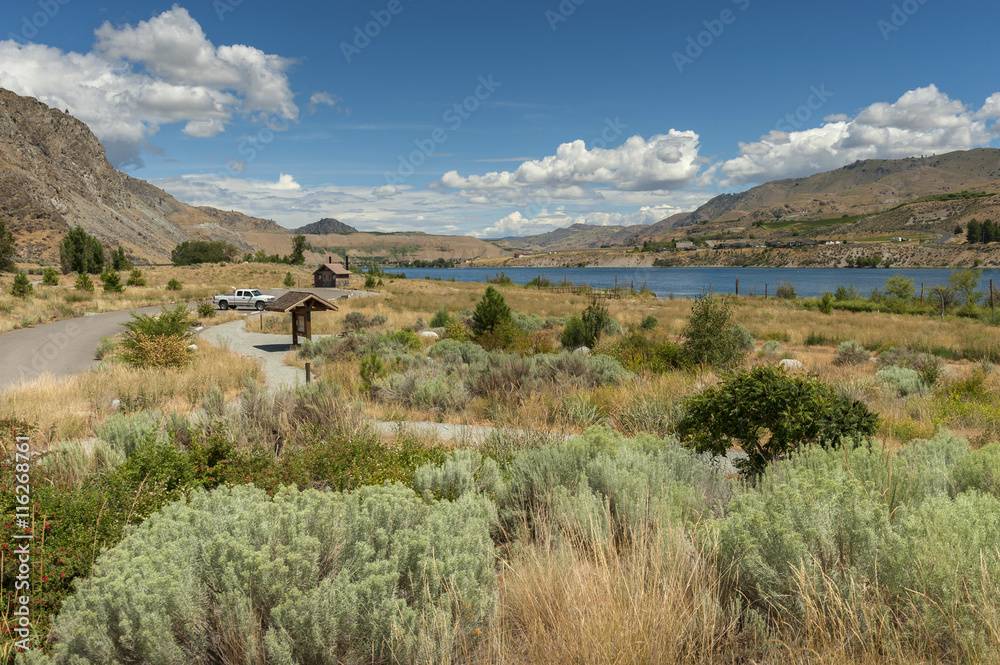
(688, 282)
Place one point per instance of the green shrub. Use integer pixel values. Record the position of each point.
(50, 277)
(637, 353)
(849, 352)
(158, 341)
(648, 323)
(770, 348)
(826, 303)
(463, 472)
(22, 287)
(191, 252)
(928, 366)
(105, 347)
(207, 309)
(902, 381)
(135, 278)
(786, 291)
(174, 285)
(946, 566)
(441, 318)
(710, 338)
(426, 387)
(289, 280)
(808, 513)
(768, 414)
(112, 281)
(358, 320)
(979, 470)
(308, 576)
(84, 283)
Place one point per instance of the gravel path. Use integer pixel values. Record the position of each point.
(268, 349)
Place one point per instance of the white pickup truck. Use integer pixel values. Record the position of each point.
(242, 297)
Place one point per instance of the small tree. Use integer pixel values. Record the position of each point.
(112, 282)
(899, 287)
(7, 249)
(710, 337)
(118, 259)
(289, 280)
(84, 283)
(299, 246)
(173, 285)
(22, 287)
(135, 278)
(490, 312)
(964, 284)
(81, 252)
(973, 232)
(50, 277)
(769, 413)
(158, 341)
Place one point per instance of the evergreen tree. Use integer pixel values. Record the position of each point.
(50, 277)
(81, 252)
(973, 232)
(119, 261)
(22, 287)
(84, 283)
(112, 282)
(490, 312)
(7, 249)
(991, 231)
(299, 246)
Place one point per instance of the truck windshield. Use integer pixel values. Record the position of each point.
(255, 293)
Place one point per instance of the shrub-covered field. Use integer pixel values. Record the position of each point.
(204, 519)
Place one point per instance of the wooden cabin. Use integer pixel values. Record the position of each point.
(331, 275)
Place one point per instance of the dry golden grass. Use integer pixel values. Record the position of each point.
(69, 408)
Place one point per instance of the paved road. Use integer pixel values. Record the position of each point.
(66, 347)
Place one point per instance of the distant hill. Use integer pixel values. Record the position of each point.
(325, 225)
(867, 195)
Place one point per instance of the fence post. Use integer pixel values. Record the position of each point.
(308, 372)
(737, 286)
(992, 308)
(765, 290)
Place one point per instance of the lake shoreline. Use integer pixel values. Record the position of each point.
(901, 255)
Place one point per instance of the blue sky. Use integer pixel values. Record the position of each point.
(499, 119)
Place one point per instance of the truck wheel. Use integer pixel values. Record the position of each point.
(260, 305)
(223, 305)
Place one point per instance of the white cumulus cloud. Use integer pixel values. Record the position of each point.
(923, 121)
(160, 71)
(665, 161)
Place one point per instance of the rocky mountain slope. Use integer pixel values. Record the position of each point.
(54, 175)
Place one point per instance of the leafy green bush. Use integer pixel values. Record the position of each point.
(174, 285)
(308, 575)
(902, 381)
(289, 281)
(849, 352)
(648, 323)
(207, 309)
(979, 470)
(191, 252)
(710, 337)
(928, 366)
(826, 303)
(786, 291)
(768, 414)
(586, 330)
(22, 287)
(637, 353)
(50, 277)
